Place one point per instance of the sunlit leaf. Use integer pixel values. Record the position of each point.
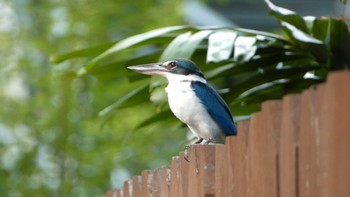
(184, 45)
(220, 46)
(316, 47)
(174, 48)
(285, 15)
(244, 48)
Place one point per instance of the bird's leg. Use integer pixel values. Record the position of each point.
(187, 148)
(198, 141)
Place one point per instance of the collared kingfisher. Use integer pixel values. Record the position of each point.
(193, 100)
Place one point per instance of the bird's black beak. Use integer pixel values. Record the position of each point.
(149, 69)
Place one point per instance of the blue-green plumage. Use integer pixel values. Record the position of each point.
(216, 107)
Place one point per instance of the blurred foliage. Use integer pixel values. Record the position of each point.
(52, 142)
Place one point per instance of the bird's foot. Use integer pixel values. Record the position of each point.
(206, 142)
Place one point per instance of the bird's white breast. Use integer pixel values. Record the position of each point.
(188, 108)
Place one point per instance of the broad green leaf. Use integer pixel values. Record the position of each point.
(248, 81)
(307, 43)
(220, 45)
(275, 90)
(87, 52)
(184, 45)
(285, 15)
(244, 48)
(135, 96)
(155, 118)
(174, 48)
(339, 44)
(320, 29)
(128, 42)
(244, 110)
(260, 62)
(193, 43)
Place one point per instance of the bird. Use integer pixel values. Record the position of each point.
(192, 100)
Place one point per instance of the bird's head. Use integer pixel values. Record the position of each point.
(181, 69)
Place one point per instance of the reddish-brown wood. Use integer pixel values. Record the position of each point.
(335, 119)
(201, 170)
(136, 186)
(127, 188)
(309, 178)
(288, 146)
(157, 178)
(165, 182)
(183, 175)
(174, 177)
(113, 193)
(221, 168)
(146, 183)
(238, 179)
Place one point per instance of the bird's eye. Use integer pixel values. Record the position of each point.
(172, 64)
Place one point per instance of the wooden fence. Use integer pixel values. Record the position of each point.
(295, 147)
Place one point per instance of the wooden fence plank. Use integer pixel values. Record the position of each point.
(183, 175)
(127, 188)
(335, 117)
(174, 180)
(309, 178)
(221, 174)
(136, 186)
(146, 180)
(157, 177)
(263, 153)
(113, 193)
(239, 161)
(201, 170)
(288, 146)
(165, 182)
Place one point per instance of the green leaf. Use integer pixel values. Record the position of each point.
(275, 90)
(339, 44)
(320, 29)
(174, 48)
(184, 45)
(253, 79)
(87, 52)
(134, 97)
(220, 45)
(307, 43)
(276, 56)
(285, 15)
(156, 118)
(244, 48)
(131, 41)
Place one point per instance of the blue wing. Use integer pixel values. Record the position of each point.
(215, 106)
